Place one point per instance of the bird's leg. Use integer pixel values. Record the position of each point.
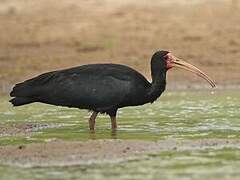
(113, 113)
(114, 122)
(91, 121)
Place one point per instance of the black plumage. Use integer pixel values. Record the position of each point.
(98, 87)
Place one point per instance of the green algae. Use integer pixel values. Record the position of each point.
(179, 115)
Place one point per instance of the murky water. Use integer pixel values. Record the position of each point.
(178, 115)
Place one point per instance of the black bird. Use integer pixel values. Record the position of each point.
(100, 88)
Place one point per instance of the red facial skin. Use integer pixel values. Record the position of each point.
(169, 59)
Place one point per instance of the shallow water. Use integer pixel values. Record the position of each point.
(178, 115)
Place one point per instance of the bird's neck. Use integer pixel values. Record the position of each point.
(158, 83)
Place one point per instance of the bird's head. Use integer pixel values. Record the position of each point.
(167, 60)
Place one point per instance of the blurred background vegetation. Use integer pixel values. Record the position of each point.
(44, 35)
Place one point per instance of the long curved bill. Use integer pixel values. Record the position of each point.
(189, 67)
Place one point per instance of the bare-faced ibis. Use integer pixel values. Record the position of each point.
(101, 88)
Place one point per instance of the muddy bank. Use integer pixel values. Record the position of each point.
(60, 153)
(24, 129)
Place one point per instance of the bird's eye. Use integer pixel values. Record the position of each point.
(166, 57)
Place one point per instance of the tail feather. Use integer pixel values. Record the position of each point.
(18, 101)
(20, 89)
(22, 93)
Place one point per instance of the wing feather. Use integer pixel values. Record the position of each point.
(97, 86)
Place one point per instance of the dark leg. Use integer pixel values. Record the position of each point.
(114, 122)
(112, 113)
(91, 121)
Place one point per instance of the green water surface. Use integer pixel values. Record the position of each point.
(181, 115)
(178, 115)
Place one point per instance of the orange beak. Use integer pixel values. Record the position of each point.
(176, 62)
